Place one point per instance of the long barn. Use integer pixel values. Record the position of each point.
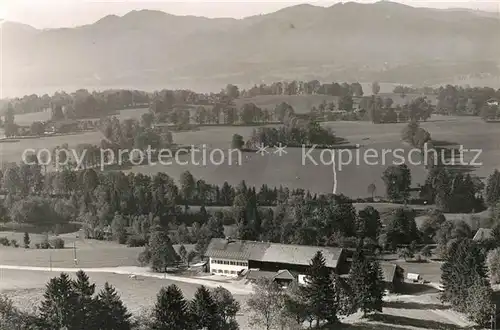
(230, 257)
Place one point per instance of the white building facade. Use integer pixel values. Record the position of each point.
(227, 267)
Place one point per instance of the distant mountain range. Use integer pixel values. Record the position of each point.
(146, 49)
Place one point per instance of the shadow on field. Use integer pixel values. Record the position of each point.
(412, 305)
(418, 323)
(417, 288)
(443, 143)
(365, 326)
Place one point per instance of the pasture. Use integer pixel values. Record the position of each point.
(300, 103)
(294, 169)
(26, 119)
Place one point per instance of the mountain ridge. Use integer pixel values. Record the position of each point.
(346, 41)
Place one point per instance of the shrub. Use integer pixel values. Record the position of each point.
(14, 243)
(44, 244)
(26, 240)
(4, 241)
(136, 241)
(38, 246)
(57, 243)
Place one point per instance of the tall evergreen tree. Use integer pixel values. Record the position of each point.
(171, 310)
(320, 291)
(59, 308)
(464, 264)
(493, 188)
(366, 283)
(86, 313)
(204, 310)
(113, 315)
(376, 287)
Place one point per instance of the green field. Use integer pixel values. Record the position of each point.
(300, 103)
(28, 118)
(288, 170)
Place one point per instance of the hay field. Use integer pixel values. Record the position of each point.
(300, 103)
(288, 170)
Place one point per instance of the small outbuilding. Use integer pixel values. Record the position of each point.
(483, 234)
(393, 276)
(414, 277)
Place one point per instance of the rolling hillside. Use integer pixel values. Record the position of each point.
(345, 42)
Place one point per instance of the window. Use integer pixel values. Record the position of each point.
(233, 272)
(226, 271)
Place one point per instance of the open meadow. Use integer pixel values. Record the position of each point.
(295, 169)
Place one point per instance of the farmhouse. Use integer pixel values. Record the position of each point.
(233, 257)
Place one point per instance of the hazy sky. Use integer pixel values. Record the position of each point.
(66, 13)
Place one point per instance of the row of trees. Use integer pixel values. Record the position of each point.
(298, 88)
(451, 191)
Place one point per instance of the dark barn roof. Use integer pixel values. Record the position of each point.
(389, 271)
(234, 249)
(284, 275)
(271, 252)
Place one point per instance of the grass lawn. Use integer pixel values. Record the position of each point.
(429, 271)
(26, 289)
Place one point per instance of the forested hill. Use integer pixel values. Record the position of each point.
(386, 41)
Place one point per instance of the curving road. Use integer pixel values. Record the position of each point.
(235, 288)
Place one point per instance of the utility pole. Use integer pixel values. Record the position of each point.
(74, 253)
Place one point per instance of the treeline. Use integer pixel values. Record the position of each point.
(404, 90)
(299, 87)
(80, 103)
(380, 110)
(450, 191)
(457, 100)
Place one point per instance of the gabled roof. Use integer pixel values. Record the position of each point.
(300, 254)
(284, 275)
(271, 252)
(254, 274)
(482, 234)
(389, 272)
(235, 249)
